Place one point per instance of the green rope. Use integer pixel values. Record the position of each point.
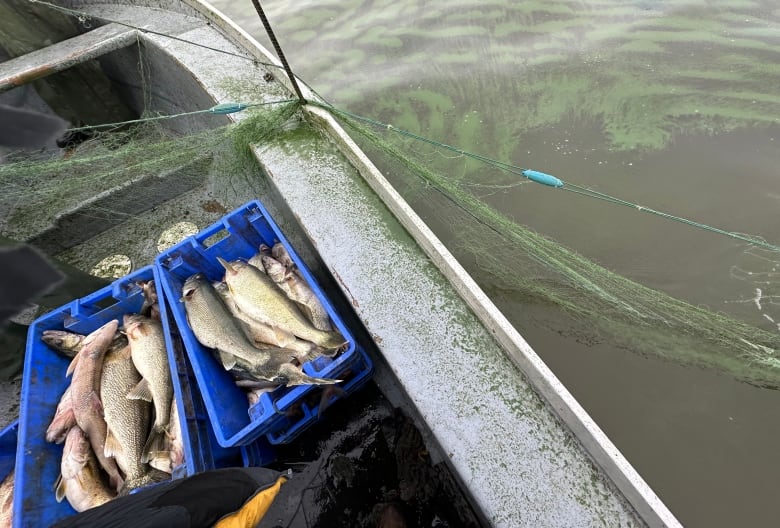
(577, 189)
(220, 109)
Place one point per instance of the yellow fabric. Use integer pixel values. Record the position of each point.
(253, 510)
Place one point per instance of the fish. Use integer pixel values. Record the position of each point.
(215, 328)
(313, 309)
(7, 501)
(80, 480)
(256, 259)
(173, 454)
(69, 343)
(127, 420)
(278, 273)
(175, 439)
(256, 332)
(150, 298)
(299, 291)
(150, 357)
(261, 334)
(279, 252)
(64, 419)
(253, 395)
(86, 370)
(257, 296)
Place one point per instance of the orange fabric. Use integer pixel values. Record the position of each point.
(253, 510)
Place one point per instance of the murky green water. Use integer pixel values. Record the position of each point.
(673, 105)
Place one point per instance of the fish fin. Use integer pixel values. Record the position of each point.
(94, 400)
(73, 364)
(60, 486)
(156, 443)
(161, 461)
(112, 446)
(60, 425)
(283, 337)
(227, 359)
(308, 380)
(227, 265)
(142, 391)
(334, 342)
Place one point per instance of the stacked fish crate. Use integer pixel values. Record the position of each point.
(233, 246)
(242, 426)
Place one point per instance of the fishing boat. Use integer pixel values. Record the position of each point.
(520, 445)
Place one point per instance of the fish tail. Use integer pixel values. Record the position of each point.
(157, 442)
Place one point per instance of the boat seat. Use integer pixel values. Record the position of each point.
(63, 55)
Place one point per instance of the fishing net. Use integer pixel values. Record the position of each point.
(541, 270)
(147, 157)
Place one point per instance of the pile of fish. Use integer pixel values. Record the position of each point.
(262, 320)
(118, 417)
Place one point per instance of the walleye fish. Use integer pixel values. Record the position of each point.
(80, 480)
(256, 332)
(175, 439)
(261, 334)
(256, 259)
(86, 368)
(69, 343)
(7, 501)
(150, 297)
(173, 455)
(299, 291)
(150, 357)
(64, 419)
(214, 327)
(278, 273)
(253, 395)
(257, 296)
(279, 252)
(127, 420)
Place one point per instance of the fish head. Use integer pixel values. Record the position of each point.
(75, 453)
(191, 286)
(62, 340)
(274, 268)
(135, 325)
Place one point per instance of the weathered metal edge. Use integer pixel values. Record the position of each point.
(639, 494)
(63, 55)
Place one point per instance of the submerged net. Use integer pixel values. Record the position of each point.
(541, 270)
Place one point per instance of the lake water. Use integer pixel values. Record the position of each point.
(673, 105)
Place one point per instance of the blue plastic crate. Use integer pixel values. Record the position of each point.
(207, 453)
(239, 235)
(44, 381)
(8, 437)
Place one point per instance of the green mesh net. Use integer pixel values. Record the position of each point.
(540, 270)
